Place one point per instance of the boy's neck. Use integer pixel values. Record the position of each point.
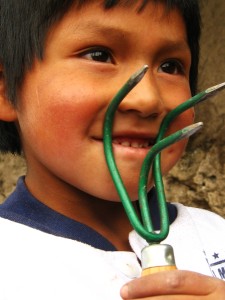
(106, 217)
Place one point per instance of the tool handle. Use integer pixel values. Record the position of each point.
(153, 270)
(157, 258)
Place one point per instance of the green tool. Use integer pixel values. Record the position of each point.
(144, 227)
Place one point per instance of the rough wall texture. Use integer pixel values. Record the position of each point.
(199, 178)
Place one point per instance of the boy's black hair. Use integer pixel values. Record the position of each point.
(23, 28)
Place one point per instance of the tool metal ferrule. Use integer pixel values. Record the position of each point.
(157, 255)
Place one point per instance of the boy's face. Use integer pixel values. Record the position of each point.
(88, 56)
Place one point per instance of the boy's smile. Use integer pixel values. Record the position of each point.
(88, 56)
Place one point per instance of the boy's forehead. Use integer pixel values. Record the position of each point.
(93, 19)
(155, 9)
(158, 8)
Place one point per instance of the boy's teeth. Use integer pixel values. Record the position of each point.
(135, 145)
(126, 144)
(132, 144)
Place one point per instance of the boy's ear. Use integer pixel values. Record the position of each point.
(7, 111)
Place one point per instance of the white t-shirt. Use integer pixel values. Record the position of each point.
(39, 266)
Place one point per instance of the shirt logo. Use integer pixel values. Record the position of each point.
(216, 262)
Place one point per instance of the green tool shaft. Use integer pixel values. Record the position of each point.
(145, 227)
(169, 118)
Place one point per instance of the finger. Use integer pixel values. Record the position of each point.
(180, 297)
(170, 283)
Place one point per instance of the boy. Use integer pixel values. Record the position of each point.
(63, 232)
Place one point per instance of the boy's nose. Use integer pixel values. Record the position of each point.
(144, 100)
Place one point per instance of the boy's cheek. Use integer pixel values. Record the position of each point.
(181, 121)
(171, 155)
(192, 114)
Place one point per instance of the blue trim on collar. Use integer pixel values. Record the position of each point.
(22, 207)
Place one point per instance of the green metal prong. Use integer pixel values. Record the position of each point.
(137, 76)
(210, 92)
(146, 231)
(107, 141)
(143, 181)
(215, 88)
(191, 129)
(165, 124)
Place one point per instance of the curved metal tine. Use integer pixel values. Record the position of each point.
(166, 122)
(131, 213)
(202, 96)
(214, 89)
(128, 206)
(107, 141)
(120, 95)
(158, 147)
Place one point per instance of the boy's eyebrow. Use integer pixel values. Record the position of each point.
(175, 45)
(168, 44)
(107, 30)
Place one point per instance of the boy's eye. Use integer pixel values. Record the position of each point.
(98, 55)
(173, 67)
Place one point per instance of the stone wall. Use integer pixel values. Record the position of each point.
(199, 178)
